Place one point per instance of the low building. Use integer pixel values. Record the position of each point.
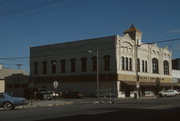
(17, 83)
(176, 78)
(74, 65)
(8, 79)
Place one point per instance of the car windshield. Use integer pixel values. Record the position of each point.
(7, 95)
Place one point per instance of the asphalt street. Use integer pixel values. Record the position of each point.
(158, 109)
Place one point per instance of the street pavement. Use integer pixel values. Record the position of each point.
(128, 109)
(60, 102)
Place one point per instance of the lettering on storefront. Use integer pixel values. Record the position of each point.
(151, 78)
(143, 78)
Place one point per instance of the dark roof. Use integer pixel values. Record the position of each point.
(131, 29)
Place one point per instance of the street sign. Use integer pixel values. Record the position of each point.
(55, 84)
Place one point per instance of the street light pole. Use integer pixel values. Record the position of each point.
(97, 71)
(97, 56)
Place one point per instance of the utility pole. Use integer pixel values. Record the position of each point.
(18, 65)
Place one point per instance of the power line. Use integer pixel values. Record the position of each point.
(162, 41)
(25, 7)
(46, 10)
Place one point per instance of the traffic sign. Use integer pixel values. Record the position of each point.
(55, 84)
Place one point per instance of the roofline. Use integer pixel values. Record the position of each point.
(75, 41)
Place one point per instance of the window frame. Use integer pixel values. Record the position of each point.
(107, 62)
(73, 65)
(155, 65)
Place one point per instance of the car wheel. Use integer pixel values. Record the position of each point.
(165, 95)
(8, 106)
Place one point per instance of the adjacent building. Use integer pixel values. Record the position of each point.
(17, 83)
(176, 64)
(176, 78)
(176, 71)
(74, 65)
(11, 80)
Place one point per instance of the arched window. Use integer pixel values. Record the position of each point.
(36, 65)
(138, 64)
(155, 66)
(44, 64)
(83, 64)
(166, 67)
(126, 63)
(123, 64)
(107, 62)
(63, 66)
(73, 65)
(130, 64)
(143, 66)
(53, 66)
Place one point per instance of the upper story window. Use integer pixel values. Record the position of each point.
(166, 67)
(83, 64)
(36, 64)
(94, 62)
(126, 63)
(53, 66)
(138, 65)
(44, 63)
(155, 65)
(144, 66)
(130, 64)
(107, 62)
(63, 66)
(73, 65)
(123, 63)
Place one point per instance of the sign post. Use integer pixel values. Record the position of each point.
(55, 84)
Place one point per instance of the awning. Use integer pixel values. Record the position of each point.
(130, 83)
(168, 84)
(133, 83)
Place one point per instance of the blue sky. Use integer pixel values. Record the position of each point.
(32, 23)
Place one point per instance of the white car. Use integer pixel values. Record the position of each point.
(169, 93)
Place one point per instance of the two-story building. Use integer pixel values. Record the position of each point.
(75, 68)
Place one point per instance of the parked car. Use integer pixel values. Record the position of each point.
(168, 93)
(54, 94)
(44, 95)
(8, 102)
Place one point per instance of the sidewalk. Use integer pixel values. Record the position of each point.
(45, 103)
(60, 102)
